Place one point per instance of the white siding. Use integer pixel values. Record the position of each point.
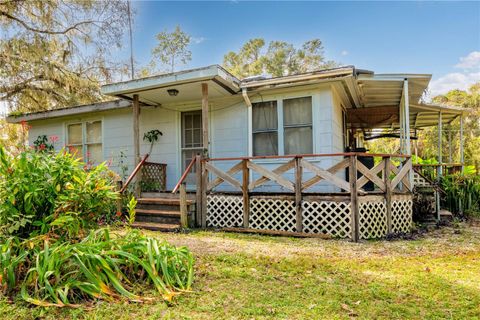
(228, 129)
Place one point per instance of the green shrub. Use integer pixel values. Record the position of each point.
(43, 192)
(49, 272)
(462, 194)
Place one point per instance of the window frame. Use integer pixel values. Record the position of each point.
(280, 123)
(84, 143)
(278, 106)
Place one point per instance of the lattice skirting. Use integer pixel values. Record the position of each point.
(321, 216)
(327, 217)
(272, 214)
(372, 218)
(224, 211)
(401, 213)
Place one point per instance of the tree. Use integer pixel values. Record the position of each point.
(172, 49)
(461, 98)
(248, 61)
(280, 59)
(54, 53)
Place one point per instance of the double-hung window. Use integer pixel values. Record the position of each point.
(85, 140)
(297, 126)
(294, 135)
(265, 128)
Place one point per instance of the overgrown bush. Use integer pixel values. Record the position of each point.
(49, 272)
(462, 194)
(42, 192)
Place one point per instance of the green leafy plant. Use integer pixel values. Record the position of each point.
(44, 192)
(131, 206)
(104, 265)
(152, 136)
(42, 144)
(462, 194)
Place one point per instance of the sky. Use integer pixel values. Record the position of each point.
(439, 38)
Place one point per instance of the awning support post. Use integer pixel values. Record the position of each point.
(461, 143)
(440, 144)
(205, 119)
(136, 140)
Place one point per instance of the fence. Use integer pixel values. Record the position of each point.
(349, 210)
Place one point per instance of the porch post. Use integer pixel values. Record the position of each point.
(205, 119)
(461, 142)
(136, 141)
(408, 146)
(440, 144)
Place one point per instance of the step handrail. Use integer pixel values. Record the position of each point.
(134, 173)
(184, 175)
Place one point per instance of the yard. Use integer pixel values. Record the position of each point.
(261, 277)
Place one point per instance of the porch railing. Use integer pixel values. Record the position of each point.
(297, 176)
(153, 176)
(434, 171)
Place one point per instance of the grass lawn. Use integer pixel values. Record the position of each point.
(261, 277)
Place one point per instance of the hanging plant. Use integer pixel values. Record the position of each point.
(152, 136)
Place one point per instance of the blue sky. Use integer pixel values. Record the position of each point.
(411, 37)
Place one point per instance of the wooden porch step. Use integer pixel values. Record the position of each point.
(162, 213)
(156, 226)
(163, 201)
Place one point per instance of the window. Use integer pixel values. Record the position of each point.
(265, 128)
(297, 124)
(295, 136)
(85, 140)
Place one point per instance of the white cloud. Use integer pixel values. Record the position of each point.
(462, 79)
(471, 61)
(197, 40)
(344, 53)
(450, 81)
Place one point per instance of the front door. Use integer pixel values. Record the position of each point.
(192, 143)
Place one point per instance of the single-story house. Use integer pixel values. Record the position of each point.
(264, 153)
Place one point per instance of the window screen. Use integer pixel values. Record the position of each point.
(265, 128)
(297, 123)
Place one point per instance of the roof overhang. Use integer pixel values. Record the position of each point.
(154, 90)
(71, 111)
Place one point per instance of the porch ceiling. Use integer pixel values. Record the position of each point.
(380, 96)
(154, 90)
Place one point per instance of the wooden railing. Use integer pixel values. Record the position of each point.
(154, 176)
(392, 174)
(134, 173)
(434, 171)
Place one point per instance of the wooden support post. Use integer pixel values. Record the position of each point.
(204, 193)
(119, 202)
(354, 197)
(388, 193)
(205, 119)
(461, 143)
(246, 199)
(198, 195)
(136, 141)
(183, 207)
(450, 144)
(440, 160)
(298, 194)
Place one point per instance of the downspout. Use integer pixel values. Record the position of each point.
(249, 120)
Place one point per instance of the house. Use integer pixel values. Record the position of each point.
(280, 154)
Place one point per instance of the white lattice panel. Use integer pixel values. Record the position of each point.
(401, 214)
(328, 217)
(272, 214)
(420, 181)
(224, 211)
(372, 218)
